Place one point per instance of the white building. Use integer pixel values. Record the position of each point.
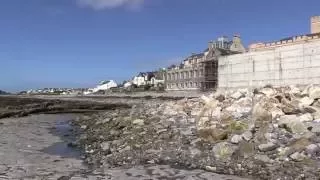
(127, 84)
(142, 79)
(103, 85)
(156, 82)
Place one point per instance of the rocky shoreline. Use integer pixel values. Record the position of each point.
(270, 133)
(19, 106)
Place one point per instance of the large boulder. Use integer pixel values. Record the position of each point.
(291, 107)
(247, 135)
(268, 91)
(267, 147)
(292, 123)
(313, 126)
(276, 112)
(313, 149)
(223, 150)
(306, 117)
(297, 156)
(294, 90)
(209, 113)
(305, 101)
(241, 108)
(209, 102)
(139, 122)
(314, 92)
(213, 134)
(236, 139)
(261, 112)
(237, 95)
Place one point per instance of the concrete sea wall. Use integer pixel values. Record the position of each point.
(297, 64)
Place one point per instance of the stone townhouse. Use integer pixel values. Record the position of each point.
(199, 71)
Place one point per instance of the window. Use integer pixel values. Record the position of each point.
(190, 84)
(201, 73)
(196, 84)
(186, 85)
(182, 85)
(187, 76)
(191, 74)
(196, 74)
(169, 77)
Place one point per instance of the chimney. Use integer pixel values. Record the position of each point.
(237, 45)
(236, 37)
(315, 24)
(210, 45)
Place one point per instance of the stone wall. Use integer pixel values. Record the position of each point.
(295, 64)
(301, 39)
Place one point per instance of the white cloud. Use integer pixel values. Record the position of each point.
(110, 4)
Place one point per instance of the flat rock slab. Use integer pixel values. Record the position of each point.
(22, 145)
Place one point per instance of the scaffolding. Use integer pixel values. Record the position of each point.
(209, 81)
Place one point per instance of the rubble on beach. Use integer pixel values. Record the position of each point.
(266, 133)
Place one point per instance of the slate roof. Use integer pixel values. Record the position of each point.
(148, 74)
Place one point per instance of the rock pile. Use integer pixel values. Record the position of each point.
(270, 133)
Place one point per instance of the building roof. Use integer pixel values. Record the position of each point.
(149, 75)
(104, 82)
(198, 55)
(292, 37)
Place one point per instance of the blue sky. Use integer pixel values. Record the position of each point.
(76, 43)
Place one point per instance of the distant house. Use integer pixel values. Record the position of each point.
(127, 84)
(3, 92)
(103, 86)
(143, 78)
